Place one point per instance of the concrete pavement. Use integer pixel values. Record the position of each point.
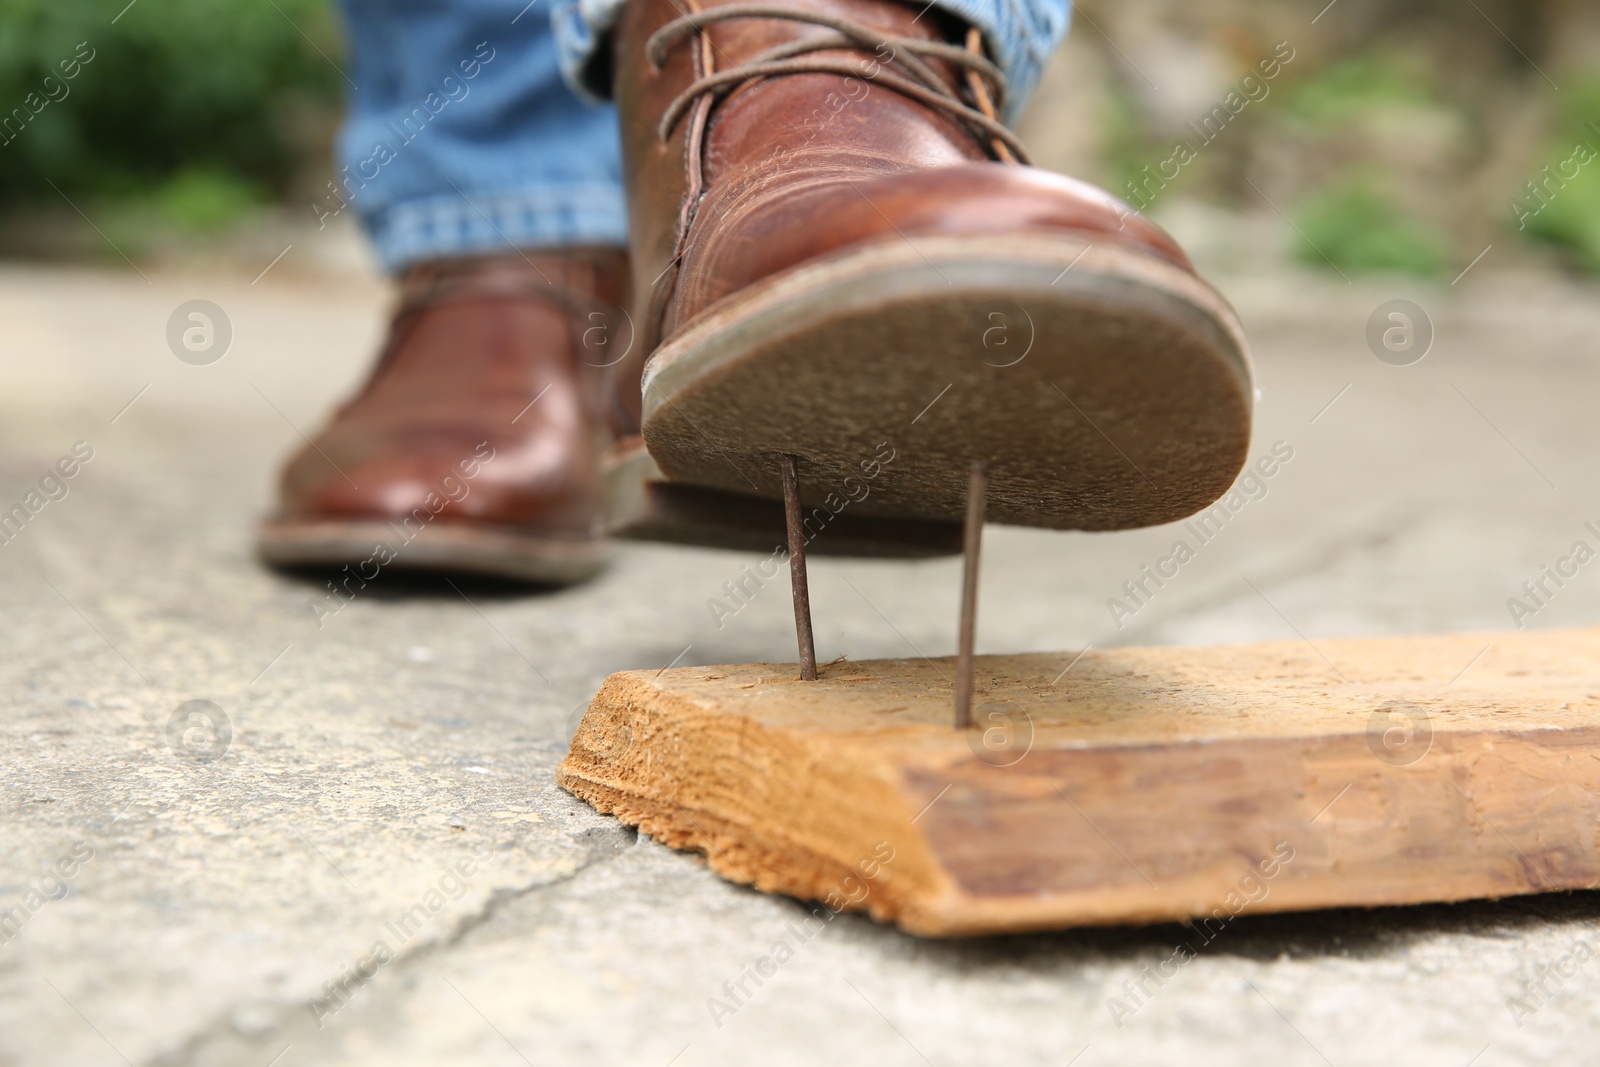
(353, 851)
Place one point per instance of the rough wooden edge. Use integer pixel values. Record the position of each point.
(1496, 812)
(636, 742)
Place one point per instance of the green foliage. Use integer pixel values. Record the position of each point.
(1369, 109)
(1126, 142)
(190, 103)
(1570, 217)
(1356, 87)
(1354, 225)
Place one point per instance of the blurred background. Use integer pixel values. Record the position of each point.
(1397, 139)
(1321, 159)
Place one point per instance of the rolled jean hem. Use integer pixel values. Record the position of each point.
(543, 217)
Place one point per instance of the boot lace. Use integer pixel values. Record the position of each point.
(985, 83)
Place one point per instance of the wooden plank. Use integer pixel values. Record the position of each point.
(1145, 784)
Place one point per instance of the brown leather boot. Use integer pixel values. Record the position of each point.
(840, 255)
(474, 444)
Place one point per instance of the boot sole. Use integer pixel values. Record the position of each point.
(443, 545)
(1104, 388)
(641, 505)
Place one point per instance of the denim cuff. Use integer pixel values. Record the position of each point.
(1021, 35)
(582, 27)
(532, 217)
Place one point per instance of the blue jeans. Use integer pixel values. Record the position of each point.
(471, 127)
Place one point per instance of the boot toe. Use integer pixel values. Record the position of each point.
(761, 235)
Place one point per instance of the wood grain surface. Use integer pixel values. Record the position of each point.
(1141, 785)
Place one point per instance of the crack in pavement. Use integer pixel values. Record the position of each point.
(221, 1041)
(1360, 538)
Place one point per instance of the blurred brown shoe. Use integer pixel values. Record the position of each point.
(840, 254)
(474, 444)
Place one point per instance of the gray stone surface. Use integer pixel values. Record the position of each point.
(418, 728)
